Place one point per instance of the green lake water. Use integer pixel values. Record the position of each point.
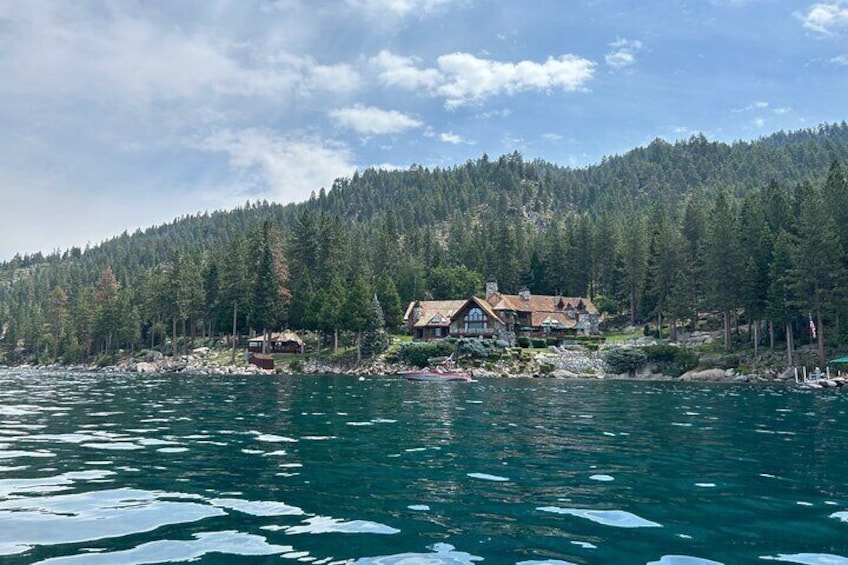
(131, 469)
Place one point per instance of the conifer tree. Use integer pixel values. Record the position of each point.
(721, 256)
(269, 294)
(818, 275)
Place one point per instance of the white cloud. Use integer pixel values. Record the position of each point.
(552, 137)
(454, 139)
(396, 70)
(125, 59)
(825, 18)
(401, 8)
(782, 110)
(840, 60)
(463, 78)
(758, 105)
(758, 122)
(623, 53)
(471, 79)
(369, 120)
(282, 168)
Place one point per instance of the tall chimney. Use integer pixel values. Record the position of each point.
(524, 293)
(491, 286)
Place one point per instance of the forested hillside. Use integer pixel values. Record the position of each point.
(754, 231)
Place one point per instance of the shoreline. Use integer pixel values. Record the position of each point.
(380, 369)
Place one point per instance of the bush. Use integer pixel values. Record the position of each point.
(538, 343)
(624, 360)
(551, 341)
(477, 348)
(662, 353)
(523, 341)
(418, 353)
(296, 366)
(671, 360)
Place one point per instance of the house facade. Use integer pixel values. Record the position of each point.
(436, 319)
(279, 342)
(502, 316)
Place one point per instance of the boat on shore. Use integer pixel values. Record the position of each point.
(441, 370)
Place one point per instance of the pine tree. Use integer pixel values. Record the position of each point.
(269, 294)
(722, 266)
(818, 273)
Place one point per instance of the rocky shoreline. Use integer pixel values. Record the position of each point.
(557, 363)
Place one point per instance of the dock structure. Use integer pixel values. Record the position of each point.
(816, 379)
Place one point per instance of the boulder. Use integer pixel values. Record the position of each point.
(563, 374)
(145, 367)
(706, 375)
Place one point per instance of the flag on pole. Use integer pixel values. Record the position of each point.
(812, 327)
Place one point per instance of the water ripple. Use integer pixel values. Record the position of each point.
(227, 542)
(616, 518)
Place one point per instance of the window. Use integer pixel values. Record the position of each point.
(475, 321)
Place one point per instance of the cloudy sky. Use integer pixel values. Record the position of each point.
(118, 114)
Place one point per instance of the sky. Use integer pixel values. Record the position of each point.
(121, 114)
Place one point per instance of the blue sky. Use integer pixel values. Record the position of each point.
(118, 114)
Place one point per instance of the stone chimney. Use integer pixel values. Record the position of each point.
(524, 293)
(417, 312)
(491, 286)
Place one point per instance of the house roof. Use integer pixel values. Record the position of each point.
(539, 303)
(552, 319)
(286, 336)
(434, 313)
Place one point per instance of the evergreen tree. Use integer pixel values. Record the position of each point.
(269, 293)
(818, 274)
(780, 306)
(721, 261)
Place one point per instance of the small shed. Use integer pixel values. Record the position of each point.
(261, 360)
(279, 342)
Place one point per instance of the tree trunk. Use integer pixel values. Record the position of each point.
(358, 346)
(789, 346)
(756, 339)
(264, 340)
(633, 305)
(185, 341)
(727, 336)
(820, 334)
(235, 311)
(771, 335)
(335, 341)
(174, 336)
(659, 326)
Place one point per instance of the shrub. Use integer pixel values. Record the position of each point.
(660, 353)
(418, 353)
(625, 360)
(538, 343)
(296, 366)
(671, 360)
(551, 341)
(477, 348)
(523, 341)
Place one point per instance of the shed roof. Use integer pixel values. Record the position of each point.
(285, 337)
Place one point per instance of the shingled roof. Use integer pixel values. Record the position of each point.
(537, 304)
(434, 313)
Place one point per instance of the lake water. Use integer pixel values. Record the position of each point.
(131, 469)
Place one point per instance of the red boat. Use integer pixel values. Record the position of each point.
(442, 370)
